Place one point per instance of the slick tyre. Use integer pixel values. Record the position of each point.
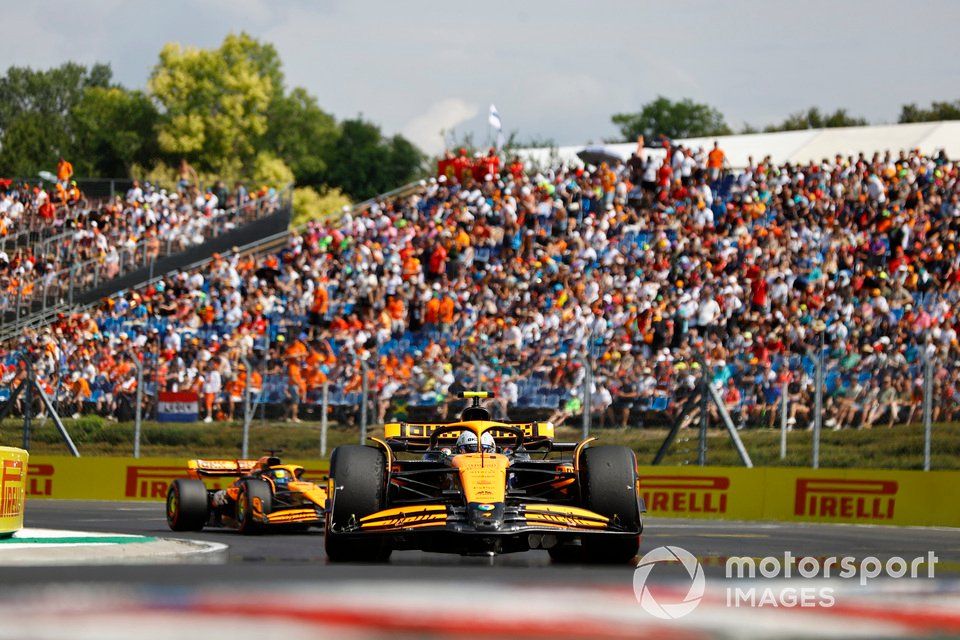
(608, 483)
(251, 493)
(188, 507)
(359, 476)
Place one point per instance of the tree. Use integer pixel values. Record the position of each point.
(936, 112)
(664, 117)
(214, 102)
(113, 130)
(363, 163)
(302, 134)
(813, 119)
(35, 108)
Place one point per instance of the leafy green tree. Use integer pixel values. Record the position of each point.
(935, 112)
(214, 102)
(301, 133)
(673, 119)
(363, 163)
(35, 107)
(113, 129)
(812, 118)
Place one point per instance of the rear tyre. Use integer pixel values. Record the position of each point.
(188, 506)
(359, 476)
(253, 493)
(608, 484)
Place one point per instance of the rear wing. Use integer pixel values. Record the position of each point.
(219, 468)
(417, 435)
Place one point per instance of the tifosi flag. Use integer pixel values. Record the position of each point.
(494, 118)
(496, 123)
(178, 407)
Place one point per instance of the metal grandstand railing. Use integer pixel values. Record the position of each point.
(36, 303)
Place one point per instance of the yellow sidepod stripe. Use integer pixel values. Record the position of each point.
(293, 515)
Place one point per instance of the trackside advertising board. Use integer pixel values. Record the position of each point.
(178, 407)
(13, 474)
(787, 494)
(105, 478)
(858, 496)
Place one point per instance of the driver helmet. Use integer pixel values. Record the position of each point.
(467, 443)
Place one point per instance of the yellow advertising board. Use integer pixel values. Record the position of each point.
(855, 496)
(121, 478)
(13, 471)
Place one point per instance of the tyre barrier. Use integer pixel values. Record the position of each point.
(13, 483)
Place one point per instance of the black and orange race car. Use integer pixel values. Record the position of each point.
(266, 495)
(476, 486)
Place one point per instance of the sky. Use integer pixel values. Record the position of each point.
(554, 69)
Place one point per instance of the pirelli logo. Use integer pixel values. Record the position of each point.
(870, 500)
(150, 482)
(40, 480)
(11, 488)
(685, 494)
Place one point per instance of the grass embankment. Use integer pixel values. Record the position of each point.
(897, 448)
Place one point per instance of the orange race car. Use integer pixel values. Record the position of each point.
(266, 495)
(480, 487)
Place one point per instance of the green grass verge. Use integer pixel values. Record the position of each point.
(879, 448)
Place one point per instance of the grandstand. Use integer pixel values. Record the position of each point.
(518, 281)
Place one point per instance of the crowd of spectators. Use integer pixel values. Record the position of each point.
(45, 232)
(652, 272)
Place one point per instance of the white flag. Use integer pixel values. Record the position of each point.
(494, 118)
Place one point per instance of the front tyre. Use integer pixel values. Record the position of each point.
(188, 506)
(608, 484)
(254, 496)
(359, 476)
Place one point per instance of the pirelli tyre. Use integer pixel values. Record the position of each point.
(359, 479)
(188, 507)
(253, 491)
(608, 484)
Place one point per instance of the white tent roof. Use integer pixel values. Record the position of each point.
(795, 146)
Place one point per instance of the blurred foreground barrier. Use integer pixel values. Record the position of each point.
(791, 494)
(13, 472)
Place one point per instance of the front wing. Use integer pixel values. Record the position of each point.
(439, 527)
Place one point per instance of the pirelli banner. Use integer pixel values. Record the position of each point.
(803, 495)
(121, 478)
(793, 494)
(13, 475)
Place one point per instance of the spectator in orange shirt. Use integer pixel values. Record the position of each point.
(431, 312)
(64, 171)
(79, 392)
(715, 161)
(447, 312)
(296, 389)
(320, 306)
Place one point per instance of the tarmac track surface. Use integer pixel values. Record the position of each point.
(301, 557)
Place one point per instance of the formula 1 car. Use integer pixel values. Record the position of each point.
(266, 495)
(504, 488)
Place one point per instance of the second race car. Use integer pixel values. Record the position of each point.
(266, 495)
